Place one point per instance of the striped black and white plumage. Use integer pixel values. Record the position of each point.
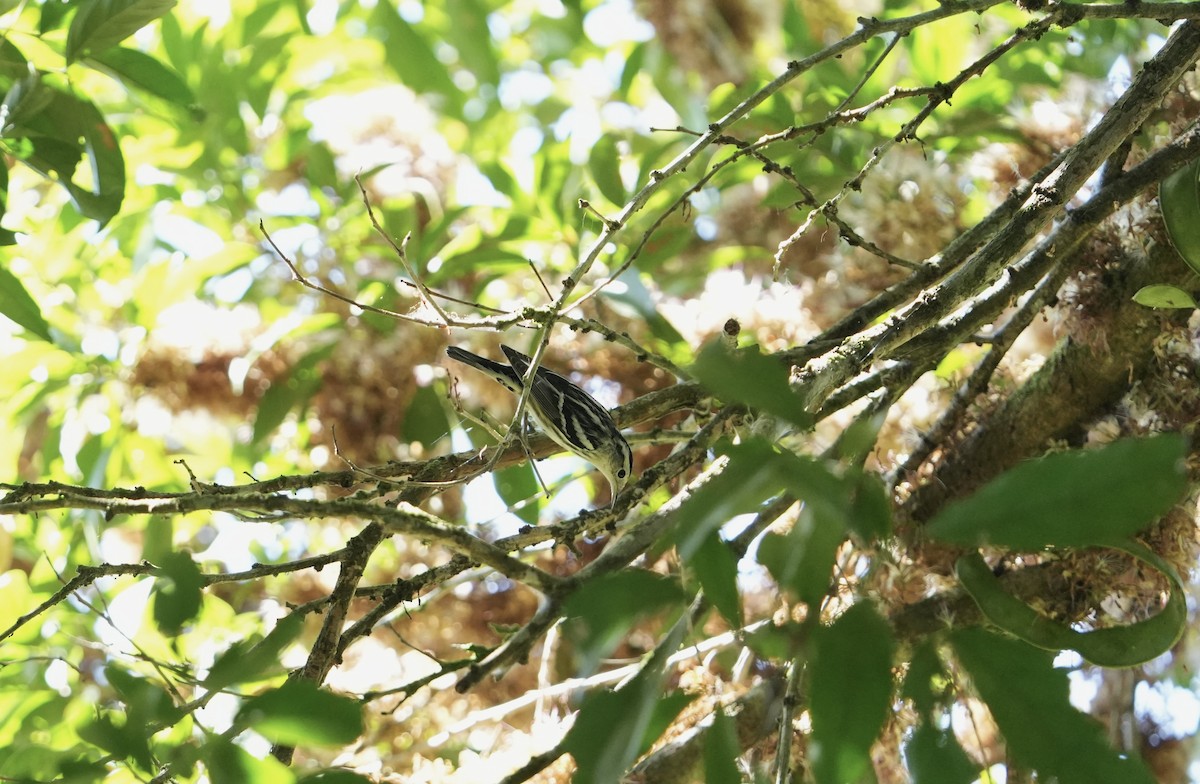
(570, 416)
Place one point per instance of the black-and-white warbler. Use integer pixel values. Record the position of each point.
(570, 416)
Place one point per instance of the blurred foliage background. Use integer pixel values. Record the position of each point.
(155, 342)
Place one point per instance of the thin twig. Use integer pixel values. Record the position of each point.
(540, 280)
(304, 281)
(942, 94)
(401, 253)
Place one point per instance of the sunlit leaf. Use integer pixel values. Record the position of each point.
(666, 709)
(336, 777)
(1164, 296)
(147, 702)
(101, 24)
(412, 58)
(18, 305)
(246, 661)
(745, 483)
(300, 713)
(634, 297)
(802, 559)
(139, 70)
(518, 487)
(226, 761)
(425, 421)
(471, 37)
(61, 128)
(289, 391)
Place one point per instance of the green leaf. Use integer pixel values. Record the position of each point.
(745, 376)
(54, 122)
(177, 593)
(926, 681)
(425, 421)
(870, 513)
(1164, 296)
(851, 688)
(52, 14)
(255, 22)
(934, 757)
(301, 713)
(716, 568)
(28, 96)
(470, 35)
(412, 58)
(721, 750)
(666, 709)
(610, 729)
(1071, 499)
(1029, 700)
(604, 163)
(285, 393)
(336, 777)
(786, 641)
(796, 33)
(126, 740)
(1119, 646)
(635, 298)
(607, 732)
(604, 608)
(633, 65)
(18, 305)
(273, 407)
(93, 459)
(228, 763)
(857, 441)
(4, 204)
(146, 702)
(802, 560)
(518, 485)
(747, 480)
(158, 537)
(1179, 198)
(102, 24)
(139, 70)
(81, 771)
(246, 662)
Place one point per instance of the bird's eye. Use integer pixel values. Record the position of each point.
(621, 474)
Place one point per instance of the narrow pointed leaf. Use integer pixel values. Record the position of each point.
(102, 24)
(18, 305)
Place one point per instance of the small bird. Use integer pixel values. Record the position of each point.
(570, 416)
